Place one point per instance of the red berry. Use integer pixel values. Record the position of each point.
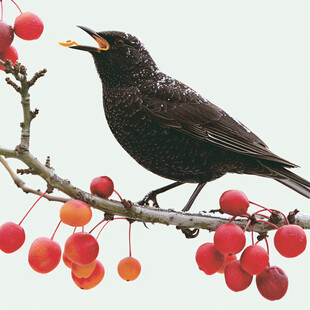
(272, 283)
(228, 258)
(12, 237)
(75, 213)
(290, 240)
(209, 259)
(254, 259)
(102, 187)
(6, 35)
(129, 268)
(229, 239)
(9, 54)
(81, 248)
(44, 255)
(94, 279)
(234, 202)
(28, 26)
(236, 278)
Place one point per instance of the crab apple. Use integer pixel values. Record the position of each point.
(12, 237)
(28, 26)
(83, 271)
(81, 248)
(102, 186)
(129, 268)
(272, 283)
(209, 259)
(234, 202)
(228, 258)
(66, 261)
(75, 213)
(9, 54)
(44, 255)
(236, 278)
(290, 240)
(93, 280)
(229, 239)
(254, 259)
(6, 35)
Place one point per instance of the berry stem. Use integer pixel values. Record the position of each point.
(247, 225)
(266, 222)
(55, 230)
(96, 226)
(102, 228)
(17, 6)
(252, 234)
(129, 239)
(74, 230)
(31, 208)
(231, 219)
(271, 210)
(119, 196)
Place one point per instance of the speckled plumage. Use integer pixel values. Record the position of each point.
(170, 129)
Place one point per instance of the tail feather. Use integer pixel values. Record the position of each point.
(290, 179)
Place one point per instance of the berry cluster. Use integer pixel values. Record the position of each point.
(81, 248)
(27, 26)
(229, 239)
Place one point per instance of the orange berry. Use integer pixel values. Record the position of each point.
(228, 258)
(66, 261)
(83, 271)
(93, 280)
(129, 268)
(75, 213)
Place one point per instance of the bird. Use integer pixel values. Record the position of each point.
(170, 129)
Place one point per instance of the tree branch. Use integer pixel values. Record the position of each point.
(146, 214)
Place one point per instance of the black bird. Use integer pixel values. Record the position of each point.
(170, 129)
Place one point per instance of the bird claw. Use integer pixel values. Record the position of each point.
(189, 233)
(151, 196)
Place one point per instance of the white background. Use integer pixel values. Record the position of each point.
(250, 58)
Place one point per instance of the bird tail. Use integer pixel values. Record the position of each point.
(291, 180)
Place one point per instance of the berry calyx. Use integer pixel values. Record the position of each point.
(9, 54)
(236, 278)
(228, 258)
(83, 271)
(81, 248)
(102, 186)
(129, 268)
(209, 259)
(6, 35)
(93, 280)
(44, 255)
(75, 213)
(254, 259)
(272, 283)
(234, 202)
(290, 240)
(28, 26)
(12, 237)
(229, 239)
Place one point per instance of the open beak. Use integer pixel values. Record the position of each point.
(103, 45)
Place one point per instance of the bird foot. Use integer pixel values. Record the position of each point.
(189, 233)
(151, 196)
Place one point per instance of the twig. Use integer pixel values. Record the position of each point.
(22, 185)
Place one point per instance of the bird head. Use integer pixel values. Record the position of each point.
(119, 56)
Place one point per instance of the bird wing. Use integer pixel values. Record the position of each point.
(174, 105)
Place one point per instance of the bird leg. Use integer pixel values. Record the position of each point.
(151, 196)
(194, 196)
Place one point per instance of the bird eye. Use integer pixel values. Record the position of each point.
(119, 42)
